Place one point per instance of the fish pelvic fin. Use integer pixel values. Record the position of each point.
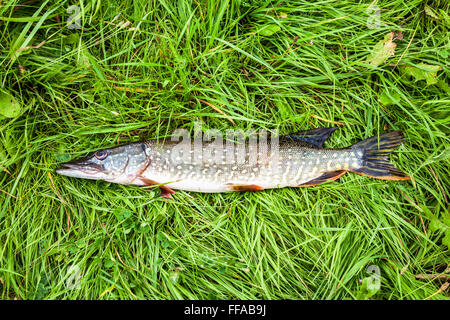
(166, 192)
(311, 138)
(244, 187)
(327, 176)
(375, 158)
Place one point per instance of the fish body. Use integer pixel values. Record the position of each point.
(293, 161)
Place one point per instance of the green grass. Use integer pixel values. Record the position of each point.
(179, 62)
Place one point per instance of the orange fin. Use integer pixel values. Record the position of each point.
(327, 176)
(165, 190)
(148, 182)
(245, 187)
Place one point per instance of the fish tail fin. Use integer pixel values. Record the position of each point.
(375, 156)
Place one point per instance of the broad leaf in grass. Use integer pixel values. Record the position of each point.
(439, 222)
(383, 49)
(443, 85)
(444, 53)
(366, 290)
(431, 13)
(422, 71)
(446, 239)
(386, 98)
(269, 30)
(9, 106)
(122, 214)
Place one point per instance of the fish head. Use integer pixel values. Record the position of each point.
(118, 165)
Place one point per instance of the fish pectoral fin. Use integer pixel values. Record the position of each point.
(311, 138)
(165, 190)
(244, 187)
(327, 176)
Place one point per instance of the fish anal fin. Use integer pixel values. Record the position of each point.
(165, 190)
(398, 175)
(312, 138)
(245, 187)
(327, 176)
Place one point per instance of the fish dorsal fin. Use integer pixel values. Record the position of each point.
(312, 138)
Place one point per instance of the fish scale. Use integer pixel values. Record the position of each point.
(297, 160)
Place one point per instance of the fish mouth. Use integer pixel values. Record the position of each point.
(80, 169)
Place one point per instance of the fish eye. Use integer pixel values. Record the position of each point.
(101, 155)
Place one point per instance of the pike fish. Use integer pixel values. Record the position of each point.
(297, 160)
